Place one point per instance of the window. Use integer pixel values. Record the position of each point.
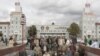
(12, 31)
(54, 30)
(12, 22)
(12, 26)
(84, 31)
(16, 22)
(5, 36)
(20, 36)
(92, 31)
(16, 26)
(0, 31)
(0, 27)
(42, 27)
(5, 27)
(16, 18)
(47, 28)
(38, 30)
(20, 31)
(84, 27)
(92, 35)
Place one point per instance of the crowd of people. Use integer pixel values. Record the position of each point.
(55, 46)
(7, 43)
(94, 43)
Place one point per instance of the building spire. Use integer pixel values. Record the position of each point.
(18, 8)
(87, 8)
(87, 4)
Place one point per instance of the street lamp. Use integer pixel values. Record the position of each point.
(23, 22)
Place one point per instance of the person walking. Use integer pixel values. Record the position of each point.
(44, 49)
(11, 42)
(85, 41)
(2, 45)
(69, 52)
(73, 49)
(46, 54)
(37, 51)
(76, 53)
(6, 41)
(95, 44)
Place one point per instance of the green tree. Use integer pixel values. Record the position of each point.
(74, 29)
(32, 31)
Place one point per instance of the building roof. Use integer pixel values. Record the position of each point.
(17, 13)
(89, 13)
(4, 22)
(97, 23)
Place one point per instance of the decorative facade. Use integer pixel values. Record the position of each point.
(4, 28)
(89, 27)
(14, 27)
(98, 30)
(52, 31)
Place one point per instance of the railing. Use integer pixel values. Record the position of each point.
(12, 50)
(90, 51)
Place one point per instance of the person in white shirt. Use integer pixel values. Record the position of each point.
(95, 44)
(44, 48)
(46, 54)
(11, 42)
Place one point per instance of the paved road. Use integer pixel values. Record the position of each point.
(30, 52)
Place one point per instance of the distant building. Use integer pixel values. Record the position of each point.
(98, 30)
(4, 28)
(14, 27)
(89, 27)
(52, 31)
(15, 21)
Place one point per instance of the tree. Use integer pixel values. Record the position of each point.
(32, 31)
(74, 29)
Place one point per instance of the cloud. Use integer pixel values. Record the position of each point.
(62, 12)
(4, 15)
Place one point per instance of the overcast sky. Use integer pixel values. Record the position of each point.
(62, 12)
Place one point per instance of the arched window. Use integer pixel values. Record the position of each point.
(47, 28)
(42, 27)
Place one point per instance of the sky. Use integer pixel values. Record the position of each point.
(43, 12)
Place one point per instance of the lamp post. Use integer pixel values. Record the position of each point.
(23, 22)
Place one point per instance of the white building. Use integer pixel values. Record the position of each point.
(89, 27)
(15, 22)
(52, 31)
(14, 27)
(98, 30)
(4, 28)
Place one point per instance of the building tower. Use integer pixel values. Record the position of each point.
(15, 22)
(18, 8)
(88, 22)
